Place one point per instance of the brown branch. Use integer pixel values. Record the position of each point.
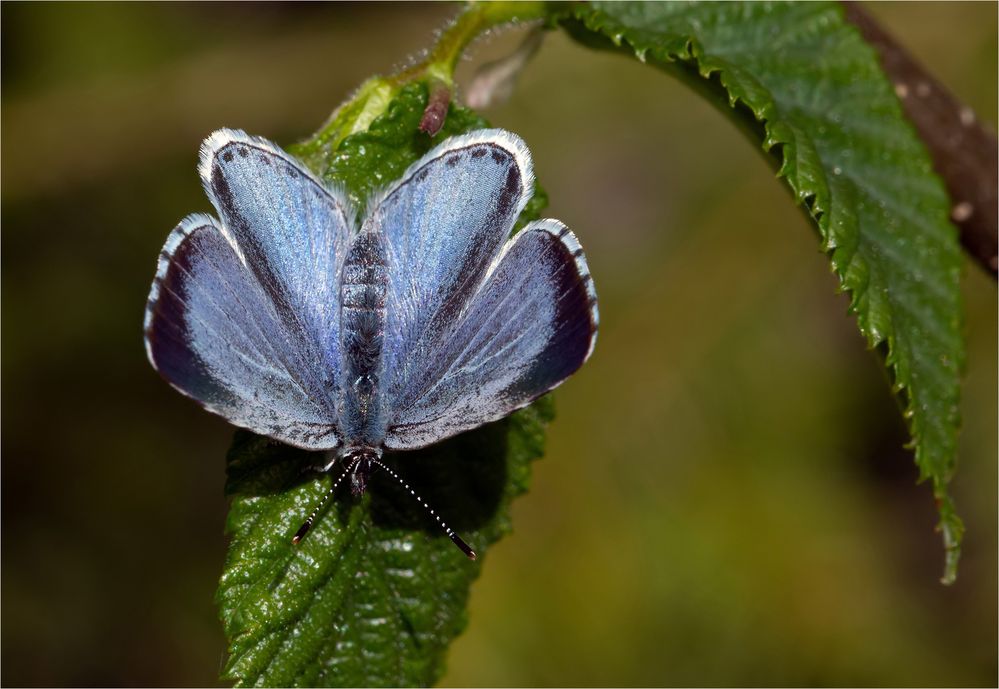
(964, 151)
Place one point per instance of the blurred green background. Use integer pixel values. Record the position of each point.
(725, 498)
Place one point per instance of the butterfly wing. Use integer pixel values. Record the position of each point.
(215, 335)
(531, 325)
(243, 314)
(444, 222)
(290, 230)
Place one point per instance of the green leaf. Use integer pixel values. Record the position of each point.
(375, 592)
(354, 116)
(801, 82)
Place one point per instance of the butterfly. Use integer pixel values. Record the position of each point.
(299, 319)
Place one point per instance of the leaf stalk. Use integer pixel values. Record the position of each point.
(436, 69)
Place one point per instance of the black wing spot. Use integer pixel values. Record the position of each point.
(227, 156)
(242, 152)
(510, 193)
(478, 152)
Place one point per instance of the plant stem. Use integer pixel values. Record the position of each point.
(964, 151)
(437, 69)
(476, 19)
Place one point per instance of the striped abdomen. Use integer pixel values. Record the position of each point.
(363, 289)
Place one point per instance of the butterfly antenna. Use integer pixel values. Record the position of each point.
(455, 538)
(304, 529)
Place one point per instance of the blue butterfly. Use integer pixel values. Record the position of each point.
(425, 319)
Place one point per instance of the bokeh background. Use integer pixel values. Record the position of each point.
(725, 497)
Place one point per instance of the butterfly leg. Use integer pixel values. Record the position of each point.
(329, 459)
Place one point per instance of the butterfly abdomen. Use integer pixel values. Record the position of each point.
(363, 289)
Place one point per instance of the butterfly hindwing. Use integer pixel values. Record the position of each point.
(213, 332)
(530, 326)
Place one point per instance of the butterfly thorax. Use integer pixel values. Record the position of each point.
(363, 288)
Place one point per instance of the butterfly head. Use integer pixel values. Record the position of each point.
(361, 462)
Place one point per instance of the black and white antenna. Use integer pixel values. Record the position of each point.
(304, 529)
(455, 538)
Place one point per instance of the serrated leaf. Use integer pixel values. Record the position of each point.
(801, 82)
(375, 593)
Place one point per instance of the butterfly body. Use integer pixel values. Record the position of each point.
(363, 292)
(426, 319)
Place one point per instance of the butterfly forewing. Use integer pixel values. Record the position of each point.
(293, 234)
(444, 222)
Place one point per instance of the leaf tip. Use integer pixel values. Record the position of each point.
(952, 529)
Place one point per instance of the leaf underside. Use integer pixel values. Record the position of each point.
(375, 592)
(799, 80)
